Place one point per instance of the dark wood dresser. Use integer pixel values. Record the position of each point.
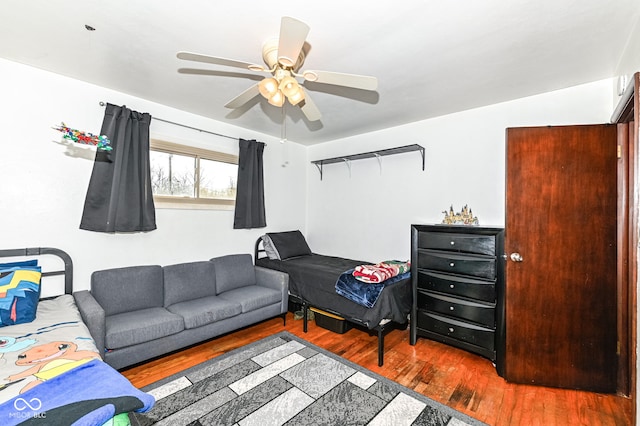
(457, 274)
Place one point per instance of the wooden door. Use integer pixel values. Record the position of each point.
(560, 242)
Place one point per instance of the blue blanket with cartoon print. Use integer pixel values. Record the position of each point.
(89, 394)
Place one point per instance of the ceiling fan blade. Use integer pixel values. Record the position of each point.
(243, 97)
(200, 71)
(340, 79)
(293, 34)
(309, 109)
(197, 57)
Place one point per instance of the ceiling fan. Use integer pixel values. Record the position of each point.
(283, 58)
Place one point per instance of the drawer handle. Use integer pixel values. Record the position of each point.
(451, 308)
(453, 243)
(452, 264)
(451, 286)
(450, 329)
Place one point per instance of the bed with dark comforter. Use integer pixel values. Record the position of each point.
(313, 278)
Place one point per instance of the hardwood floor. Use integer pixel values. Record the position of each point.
(461, 380)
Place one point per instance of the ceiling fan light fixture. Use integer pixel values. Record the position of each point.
(297, 97)
(268, 87)
(289, 86)
(277, 99)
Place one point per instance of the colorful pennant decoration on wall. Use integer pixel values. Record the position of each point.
(102, 142)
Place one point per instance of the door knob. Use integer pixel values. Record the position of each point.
(516, 257)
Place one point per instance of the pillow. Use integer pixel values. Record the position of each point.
(19, 294)
(27, 263)
(289, 244)
(269, 248)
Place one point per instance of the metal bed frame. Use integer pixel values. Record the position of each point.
(380, 329)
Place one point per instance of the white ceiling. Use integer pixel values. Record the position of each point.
(430, 57)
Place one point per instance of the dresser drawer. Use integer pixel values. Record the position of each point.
(458, 330)
(458, 308)
(465, 243)
(458, 286)
(477, 266)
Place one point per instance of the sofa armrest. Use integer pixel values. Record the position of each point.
(276, 280)
(93, 316)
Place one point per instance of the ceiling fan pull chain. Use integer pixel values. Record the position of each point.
(283, 132)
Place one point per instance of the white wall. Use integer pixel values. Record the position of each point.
(630, 61)
(367, 216)
(42, 187)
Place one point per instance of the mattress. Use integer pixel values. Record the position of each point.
(40, 347)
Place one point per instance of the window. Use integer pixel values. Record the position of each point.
(188, 177)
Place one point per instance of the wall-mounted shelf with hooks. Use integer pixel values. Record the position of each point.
(346, 159)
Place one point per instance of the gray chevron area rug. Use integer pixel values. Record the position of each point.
(284, 380)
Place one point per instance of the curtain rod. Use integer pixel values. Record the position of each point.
(184, 125)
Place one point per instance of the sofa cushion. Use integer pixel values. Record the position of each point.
(234, 271)
(130, 328)
(205, 310)
(188, 281)
(252, 297)
(128, 289)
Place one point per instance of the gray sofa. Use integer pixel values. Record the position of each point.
(140, 312)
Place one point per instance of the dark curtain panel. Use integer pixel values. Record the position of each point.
(119, 198)
(250, 193)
